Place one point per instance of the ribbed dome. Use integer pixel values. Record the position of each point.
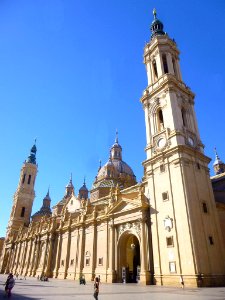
(114, 173)
(119, 166)
(115, 165)
(45, 209)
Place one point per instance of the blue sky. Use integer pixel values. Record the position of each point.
(71, 73)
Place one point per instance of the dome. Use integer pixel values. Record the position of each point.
(115, 171)
(116, 145)
(83, 191)
(118, 165)
(45, 209)
(83, 188)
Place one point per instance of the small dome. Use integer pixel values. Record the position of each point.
(116, 145)
(83, 188)
(83, 191)
(45, 209)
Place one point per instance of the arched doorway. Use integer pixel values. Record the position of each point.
(128, 258)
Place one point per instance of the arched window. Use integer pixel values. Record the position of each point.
(160, 120)
(165, 66)
(174, 67)
(29, 179)
(183, 114)
(22, 212)
(24, 177)
(155, 69)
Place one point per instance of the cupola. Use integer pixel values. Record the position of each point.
(218, 165)
(157, 26)
(83, 191)
(69, 188)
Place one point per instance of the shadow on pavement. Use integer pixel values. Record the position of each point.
(15, 296)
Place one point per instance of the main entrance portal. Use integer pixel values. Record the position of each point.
(129, 258)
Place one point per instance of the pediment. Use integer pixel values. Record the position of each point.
(125, 205)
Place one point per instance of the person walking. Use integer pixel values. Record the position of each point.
(7, 283)
(96, 288)
(10, 284)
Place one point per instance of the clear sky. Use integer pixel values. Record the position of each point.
(71, 73)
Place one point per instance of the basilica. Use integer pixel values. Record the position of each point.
(167, 229)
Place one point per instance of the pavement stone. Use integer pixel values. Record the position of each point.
(57, 289)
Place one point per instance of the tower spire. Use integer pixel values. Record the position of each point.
(48, 191)
(32, 157)
(116, 139)
(154, 13)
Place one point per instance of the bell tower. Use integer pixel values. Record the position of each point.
(24, 195)
(186, 236)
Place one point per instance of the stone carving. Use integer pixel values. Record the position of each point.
(168, 223)
(129, 226)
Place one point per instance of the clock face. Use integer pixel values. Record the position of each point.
(190, 141)
(161, 142)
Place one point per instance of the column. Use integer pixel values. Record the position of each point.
(48, 270)
(24, 257)
(94, 250)
(58, 254)
(111, 269)
(36, 255)
(81, 250)
(68, 252)
(147, 123)
(8, 261)
(18, 257)
(29, 256)
(45, 255)
(145, 274)
(32, 261)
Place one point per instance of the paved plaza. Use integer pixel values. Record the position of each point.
(57, 289)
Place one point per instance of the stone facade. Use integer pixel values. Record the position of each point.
(160, 231)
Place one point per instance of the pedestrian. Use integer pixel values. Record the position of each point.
(7, 282)
(10, 285)
(96, 288)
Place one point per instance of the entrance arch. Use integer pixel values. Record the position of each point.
(128, 257)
